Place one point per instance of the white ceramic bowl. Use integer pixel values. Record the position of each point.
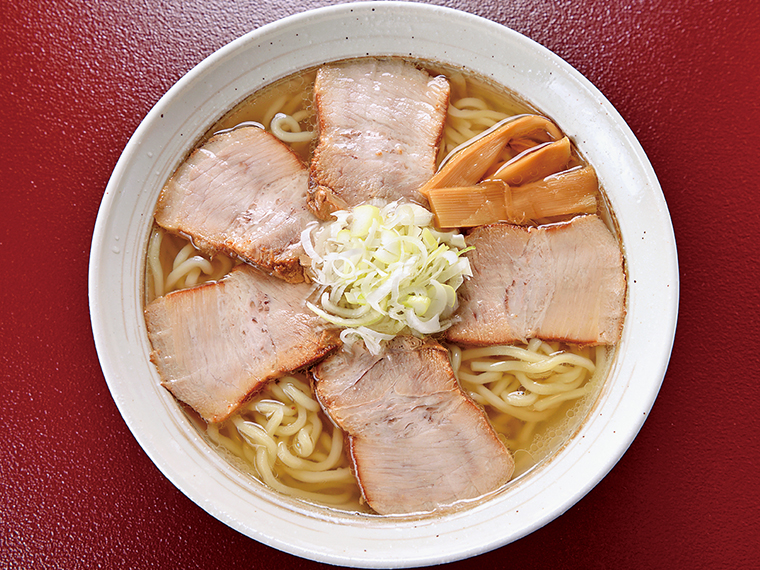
(382, 28)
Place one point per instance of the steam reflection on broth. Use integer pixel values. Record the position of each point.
(535, 395)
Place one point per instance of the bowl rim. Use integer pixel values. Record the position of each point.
(120, 235)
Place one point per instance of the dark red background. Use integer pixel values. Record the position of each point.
(76, 78)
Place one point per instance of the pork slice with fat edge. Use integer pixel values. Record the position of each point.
(215, 344)
(417, 441)
(562, 282)
(242, 193)
(380, 123)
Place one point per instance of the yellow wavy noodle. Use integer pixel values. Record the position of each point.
(283, 435)
(467, 117)
(533, 394)
(285, 109)
(290, 119)
(173, 263)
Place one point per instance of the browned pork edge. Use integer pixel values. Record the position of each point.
(217, 344)
(241, 193)
(418, 443)
(380, 124)
(563, 282)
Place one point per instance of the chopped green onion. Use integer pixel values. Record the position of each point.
(385, 271)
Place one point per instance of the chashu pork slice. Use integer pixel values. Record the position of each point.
(216, 344)
(417, 441)
(380, 124)
(242, 193)
(561, 282)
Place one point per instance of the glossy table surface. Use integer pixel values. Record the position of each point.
(76, 490)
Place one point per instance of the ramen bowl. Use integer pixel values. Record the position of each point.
(199, 99)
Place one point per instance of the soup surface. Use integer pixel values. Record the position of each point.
(535, 393)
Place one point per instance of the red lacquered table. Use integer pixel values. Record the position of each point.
(76, 491)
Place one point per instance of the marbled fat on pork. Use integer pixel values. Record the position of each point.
(561, 282)
(417, 441)
(217, 343)
(242, 193)
(380, 124)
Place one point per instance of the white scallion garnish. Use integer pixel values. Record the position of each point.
(383, 270)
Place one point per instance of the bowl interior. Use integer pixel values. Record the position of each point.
(184, 114)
